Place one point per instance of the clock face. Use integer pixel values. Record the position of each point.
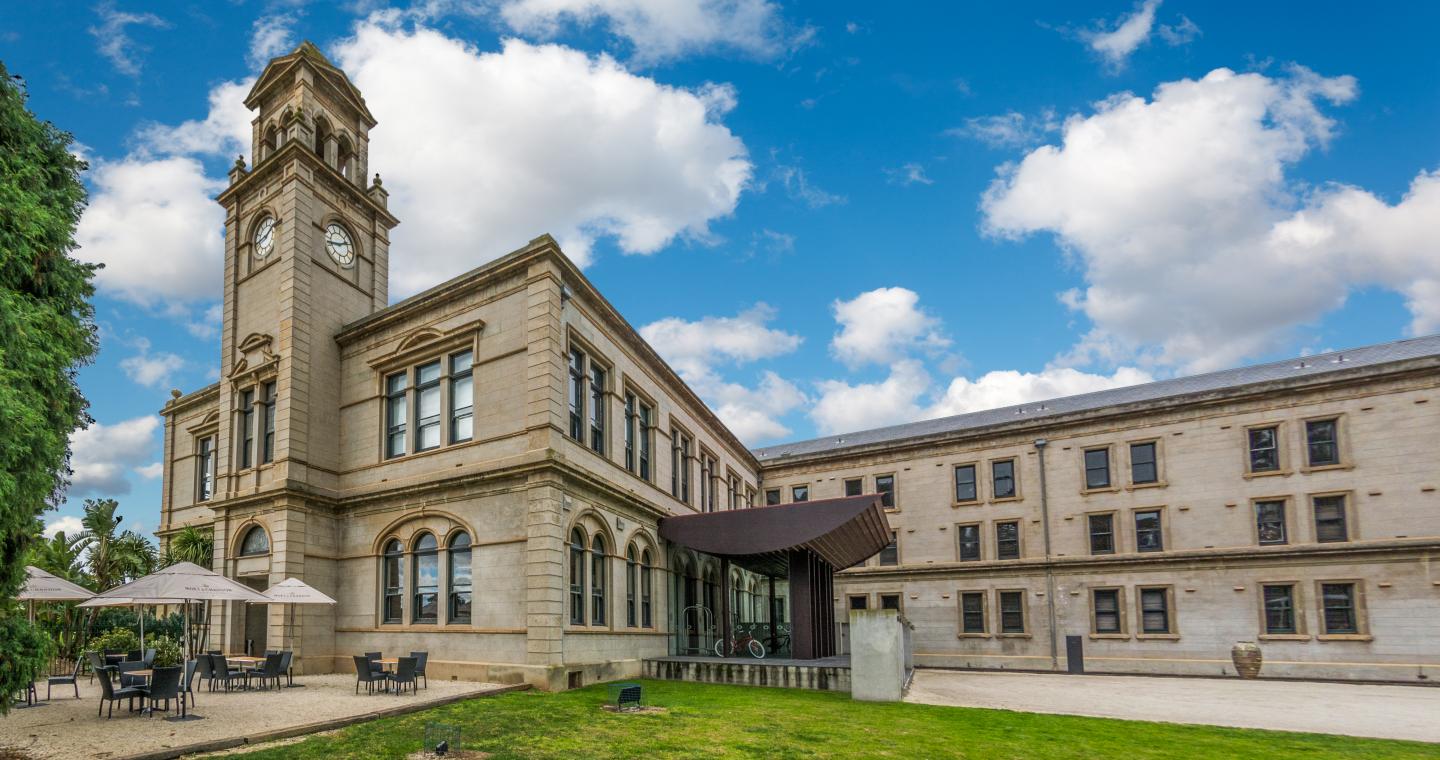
(339, 246)
(265, 238)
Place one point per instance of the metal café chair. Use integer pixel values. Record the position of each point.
(72, 680)
(404, 674)
(110, 695)
(420, 659)
(363, 674)
(165, 685)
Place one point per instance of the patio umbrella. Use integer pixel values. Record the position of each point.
(41, 586)
(293, 591)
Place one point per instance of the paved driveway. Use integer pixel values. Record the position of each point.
(1388, 712)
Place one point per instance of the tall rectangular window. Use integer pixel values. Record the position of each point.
(707, 483)
(772, 497)
(1002, 479)
(680, 465)
(890, 555)
(1143, 467)
(1012, 611)
(395, 414)
(972, 612)
(205, 469)
(885, 486)
(1279, 608)
(645, 429)
(1102, 534)
(629, 433)
(394, 584)
(1330, 524)
(969, 537)
(1264, 449)
(1337, 601)
(1097, 468)
(1149, 536)
(577, 394)
(1322, 445)
(247, 429)
(267, 435)
(427, 406)
(799, 493)
(597, 408)
(1007, 540)
(1270, 522)
(462, 397)
(1155, 610)
(1106, 603)
(854, 486)
(965, 483)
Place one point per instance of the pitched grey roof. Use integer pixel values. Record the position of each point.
(1289, 369)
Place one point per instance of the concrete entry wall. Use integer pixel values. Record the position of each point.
(879, 655)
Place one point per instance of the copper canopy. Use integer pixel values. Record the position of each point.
(843, 532)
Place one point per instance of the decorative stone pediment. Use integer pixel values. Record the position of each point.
(254, 359)
(422, 341)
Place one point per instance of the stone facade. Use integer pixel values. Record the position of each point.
(308, 459)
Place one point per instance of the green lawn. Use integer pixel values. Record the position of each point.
(736, 721)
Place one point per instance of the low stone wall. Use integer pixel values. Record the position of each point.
(752, 673)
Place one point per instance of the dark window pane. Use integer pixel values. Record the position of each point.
(1148, 536)
(859, 602)
(1270, 522)
(885, 486)
(1102, 534)
(889, 601)
(1107, 610)
(1002, 475)
(1339, 603)
(854, 487)
(1142, 463)
(1012, 612)
(972, 613)
(772, 497)
(965, 483)
(1320, 440)
(577, 394)
(890, 555)
(1264, 450)
(1280, 609)
(1330, 519)
(800, 493)
(1097, 468)
(969, 542)
(1007, 540)
(1154, 610)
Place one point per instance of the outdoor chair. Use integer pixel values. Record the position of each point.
(97, 664)
(404, 673)
(375, 666)
(124, 668)
(270, 670)
(109, 694)
(363, 674)
(165, 684)
(72, 679)
(202, 667)
(187, 688)
(420, 660)
(221, 671)
(135, 655)
(148, 658)
(286, 657)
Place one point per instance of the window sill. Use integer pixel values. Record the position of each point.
(1284, 637)
(1014, 636)
(1003, 500)
(967, 503)
(1103, 489)
(1328, 467)
(1345, 637)
(1111, 636)
(974, 635)
(1144, 486)
(588, 629)
(1158, 636)
(1249, 475)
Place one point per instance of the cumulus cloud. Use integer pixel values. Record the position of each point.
(152, 370)
(482, 151)
(1197, 250)
(844, 407)
(698, 349)
(272, 35)
(112, 36)
(151, 471)
(1114, 41)
(70, 525)
(1001, 388)
(102, 456)
(882, 325)
(661, 30)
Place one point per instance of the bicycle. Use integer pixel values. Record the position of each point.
(745, 643)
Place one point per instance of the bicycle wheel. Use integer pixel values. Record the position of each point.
(757, 650)
(719, 649)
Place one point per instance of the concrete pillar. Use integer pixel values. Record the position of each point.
(877, 655)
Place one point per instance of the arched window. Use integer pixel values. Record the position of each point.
(458, 578)
(345, 158)
(426, 599)
(256, 542)
(712, 592)
(322, 133)
(269, 142)
(631, 582)
(597, 580)
(393, 570)
(577, 577)
(645, 585)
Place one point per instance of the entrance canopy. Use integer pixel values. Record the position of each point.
(843, 532)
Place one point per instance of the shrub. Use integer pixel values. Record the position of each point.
(116, 640)
(167, 652)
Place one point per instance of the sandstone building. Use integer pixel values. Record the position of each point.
(480, 471)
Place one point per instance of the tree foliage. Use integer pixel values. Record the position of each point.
(46, 333)
(114, 556)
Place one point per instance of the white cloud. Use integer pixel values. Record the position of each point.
(272, 35)
(151, 471)
(101, 455)
(153, 370)
(1197, 250)
(798, 186)
(70, 525)
(1182, 33)
(1116, 41)
(1002, 388)
(909, 174)
(843, 407)
(155, 227)
(114, 40)
(482, 151)
(225, 130)
(207, 326)
(882, 325)
(661, 30)
(697, 349)
(1008, 130)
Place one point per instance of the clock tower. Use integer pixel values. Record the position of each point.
(306, 252)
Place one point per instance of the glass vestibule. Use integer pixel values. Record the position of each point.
(758, 608)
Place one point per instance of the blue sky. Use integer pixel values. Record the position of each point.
(828, 216)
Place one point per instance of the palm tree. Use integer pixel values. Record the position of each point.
(62, 556)
(191, 544)
(114, 555)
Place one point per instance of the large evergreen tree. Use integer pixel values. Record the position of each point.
(46, 333)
